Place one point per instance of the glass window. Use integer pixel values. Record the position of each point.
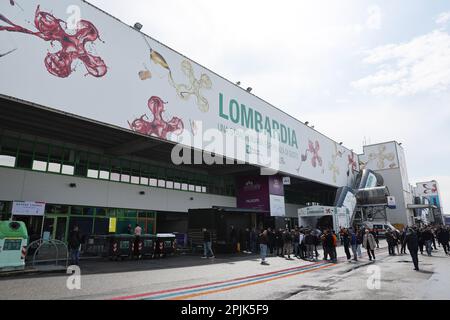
(104, 175)
(177, 185)
(78, 211)
(169, 184)
(88, 211)
(134, 179)
(56, 209)
(125, 178)
(105, 167)
(81, 164)
(55, 159)
(67, 169)
(25, 155)
(161, 183)
(8, 148)
(115, 170)
(204, 189)
(7, 161)
(198, 189)
(191, 188)
(54, 167)
(92, 174)
(101, 212)
(144, 181)
(153, 182)
(39, 165)
(68, 159)
(184, 187)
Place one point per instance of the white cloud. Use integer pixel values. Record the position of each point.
(443, 18)
(421, 65)
(375, 18)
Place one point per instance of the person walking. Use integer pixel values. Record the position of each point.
(137, 240)
(346, 242)
(428, 240)
(271, 237)
(359, 241)
(302, 246)
(402, 241)
(279, 242)
(421, 241)
(74, 245)
(263, 241)
(412, 241)
(354, 244)
(369, 244)
(444, 239)
(207, 244)
(296, 242)
(287, 243)
(233, 239)
(390, 242)
(309, 243)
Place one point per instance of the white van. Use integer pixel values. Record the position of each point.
(380, 226)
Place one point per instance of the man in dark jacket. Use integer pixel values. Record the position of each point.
(444, 239)
(74, 245)
(346, 242)
(391, 242)
(207, 244)
(412, 241)
(279, 242)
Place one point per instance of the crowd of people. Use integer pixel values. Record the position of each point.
(305, 243)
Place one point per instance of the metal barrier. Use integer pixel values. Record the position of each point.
(47, 254)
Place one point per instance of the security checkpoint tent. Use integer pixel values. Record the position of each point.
(324, 217)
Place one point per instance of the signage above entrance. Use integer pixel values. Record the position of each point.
(28, 208)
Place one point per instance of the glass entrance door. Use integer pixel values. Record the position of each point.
(55, 228)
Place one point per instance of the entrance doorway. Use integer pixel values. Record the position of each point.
(55, 228)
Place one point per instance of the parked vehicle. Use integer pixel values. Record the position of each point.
(381, 227)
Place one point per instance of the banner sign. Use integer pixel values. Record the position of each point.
(28, 208)
(114, 74)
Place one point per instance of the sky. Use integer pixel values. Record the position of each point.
(360, 71)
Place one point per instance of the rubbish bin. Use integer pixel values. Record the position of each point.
(166, 244)
(148, 245)
(13, 245)
(120, 246)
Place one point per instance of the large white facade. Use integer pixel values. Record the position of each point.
(388, 159)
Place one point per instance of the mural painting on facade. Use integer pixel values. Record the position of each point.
(73, 46)
(429, 188)
(158, 127)
(313, 150)
(184, 90)
(333, 166)
(383, 160)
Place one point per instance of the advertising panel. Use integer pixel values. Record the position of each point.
(28, 208)
(70, 56)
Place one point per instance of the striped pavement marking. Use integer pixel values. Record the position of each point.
(228, 285)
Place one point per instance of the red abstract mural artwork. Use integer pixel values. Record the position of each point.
(313, 148)
(73, 45)
(158, 127)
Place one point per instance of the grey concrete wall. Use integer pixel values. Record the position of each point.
(393, 180)
(23, 185)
